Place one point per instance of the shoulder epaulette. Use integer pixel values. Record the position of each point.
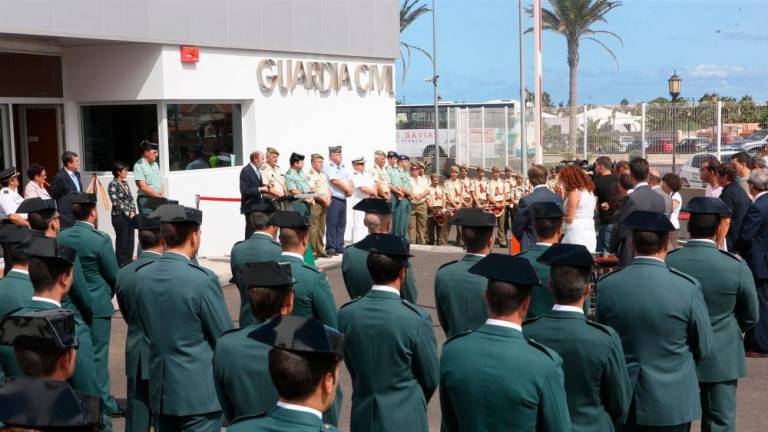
(238, 242)
(198, 267)
(310, 267)
(348, 246)
(144, 265)
(532, 320)
(248, 417)
(12, 312)
(351, 301)
(541, 347)
(674, 250)
(457, 335)
(685, 276)
(231, 331)
(413, 307)
(732, 255)
(276, 243)
(448, 263)
(605, 276)
(602, 327)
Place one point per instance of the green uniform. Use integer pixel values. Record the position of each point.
(493, 379)
(731, 298)
(297, 180)
(542, 299)
(394, 182)
(312, 294)
(138, 415)
(182, 309)
(259, 248)
(280, 419)
(390, 352)
(15, 292)
(79, 298)
(403, 213)
(596, 378)
(357, 279)
(99, 264)
(149, 172)
(459, 296)
(664, 326)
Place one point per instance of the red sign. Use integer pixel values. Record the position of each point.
(190, 54)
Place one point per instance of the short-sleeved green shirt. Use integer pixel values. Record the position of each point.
(148, 172)
(405, 180)
(296, 180)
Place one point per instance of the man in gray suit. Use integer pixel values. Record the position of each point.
(522, 225)
(642, 198)
(654, 182)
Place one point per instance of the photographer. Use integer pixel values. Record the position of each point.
(605, 188)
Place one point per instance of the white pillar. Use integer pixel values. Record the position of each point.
(482, 133)
(537, 81)
(506, 137)
(586, 129)
(719, 127)
(642, 130)
(466, 134)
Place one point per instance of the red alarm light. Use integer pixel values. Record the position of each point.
(190, 54)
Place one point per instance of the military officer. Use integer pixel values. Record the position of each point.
(270, 292)
(467, 186)
(357, 278)
(297, 184)
(731, 298)
(272, 175)
(454, 199)
(15, 288)
(417, 226)
(99, 264)
(390, 348)
(396, 194)
(138, 413)
(181, 308)
(312, 294)
(304, 365)
(436, 212)
(531, 397)
(380, 174)
(458, 293)
(260, 247)
(662, 319)
(46, 344)
(319, 185)
(146, 173)
(403, 213)
(498, 193)
(480, 190)
(547, 222)
(596, 378)
(10, 198)
(44, 221)
(51, 270)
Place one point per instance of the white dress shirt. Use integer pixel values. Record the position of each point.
(566, 308)
(502, 323)
(301, 408)
(385, 288)
(47, 300)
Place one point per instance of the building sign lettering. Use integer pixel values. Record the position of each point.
(324, 76)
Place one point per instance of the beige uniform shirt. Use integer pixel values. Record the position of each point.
(436, 197)
(318, 182)
(480, 189)
(381, 176)
(467, 187)
(454, 189)
(499, 191)
(273, 176)
(419, 184)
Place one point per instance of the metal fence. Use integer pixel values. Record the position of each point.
(673, 137)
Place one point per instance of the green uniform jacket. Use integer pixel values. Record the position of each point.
(99, 263)
(136, 341)
(79, 299)
(259, 248)
(493, 379)
(357, 279)
(183, 313)
(459, 296)
(664, 326)
(391, 354)
(15, 292)
(241, 374)
(312, 296)
(729, 291)
(281, 420)
(542, 299)
(596, 379)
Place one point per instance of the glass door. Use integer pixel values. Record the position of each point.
(5, 136)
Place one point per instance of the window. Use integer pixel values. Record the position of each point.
(113, 132)
(204, 136)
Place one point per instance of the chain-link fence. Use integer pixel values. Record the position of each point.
(673, 137)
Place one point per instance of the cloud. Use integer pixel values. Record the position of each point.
(714, 71)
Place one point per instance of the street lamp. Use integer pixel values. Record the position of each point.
(674, 82)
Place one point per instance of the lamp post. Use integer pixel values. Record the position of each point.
(674, 82)
(434, 84)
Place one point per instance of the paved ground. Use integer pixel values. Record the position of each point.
(752, 390)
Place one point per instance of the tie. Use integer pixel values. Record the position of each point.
(77, 184)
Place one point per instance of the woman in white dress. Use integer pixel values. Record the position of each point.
(364, 186)
(671, 184)
(580, 202)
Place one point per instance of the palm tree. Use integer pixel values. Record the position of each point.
(410, 11)
(574, 20)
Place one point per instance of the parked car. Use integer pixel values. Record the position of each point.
(761, 139)
(636, 146)
(689, 171)
(663, 145)
(624, 142)
(734, 145)
(693, 145)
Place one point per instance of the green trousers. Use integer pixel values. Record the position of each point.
(101, 328)
(718, 406)
(210, 422)
(395, 203)
(403, 217)
(138, 416)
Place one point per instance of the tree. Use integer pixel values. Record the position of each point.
(660, 100)
(410, 11)
(546, 99)
(624, 103)
(574, 20)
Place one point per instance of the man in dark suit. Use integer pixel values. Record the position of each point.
(641, 198)
(251, 186)
(522, 225)
(654, 182)
(65, 182)
(754, 238)
(733, 196)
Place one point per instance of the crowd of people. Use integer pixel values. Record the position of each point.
(530, 346)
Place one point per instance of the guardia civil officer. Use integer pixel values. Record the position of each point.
(596, 378)
(99, 264)
(493, 378)
(269, 287)
(51, 269)
(661, 317)
(354, 269)
(296, 184)
(44, 221)
(312, 294)
(181, 307)
(15, 288)
(731, 298)
(138, 415)
(459, 293)
(304, 366)
(390, 346)
(45, 343)
(261, 246)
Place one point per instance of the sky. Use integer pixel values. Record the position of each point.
(715, 46)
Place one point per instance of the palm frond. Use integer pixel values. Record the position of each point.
(610, 33)
(408, 15)
(598, 41)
